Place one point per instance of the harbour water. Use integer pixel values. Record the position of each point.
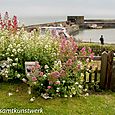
(40, 20)
(93, 35)
(88, 35)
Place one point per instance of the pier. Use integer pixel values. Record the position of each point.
(74, 23)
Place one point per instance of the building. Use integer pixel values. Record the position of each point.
(76, 19)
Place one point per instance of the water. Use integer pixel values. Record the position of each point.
(40, 19)
(93, 35)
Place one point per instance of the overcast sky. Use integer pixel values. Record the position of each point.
(88, 8)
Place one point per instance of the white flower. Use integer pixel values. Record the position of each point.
(34, 83)
(14, 44)
(14, 50)
(70, 95)
(18, 75)
(65, 95)
(76, 83)
(63, 81)
(28, 74)
(8, 49)
(74, 92)
(29, 90)
(32, 99)
(85, 90)
(7, 53)
(18, 45)
(17, 90)
(16, 59)
(9, 94)
(46, 67)
(12, 55)
(44, 76)
(6, 72)
(24, 80)
(6, 76)
(57, 90)
(46, 46)
(9, 60)
(10, 46)
(22, 50)
(14, 64)
(73, 88)
(18, 50)
(82, 75)
(87, 94)
(80, 86)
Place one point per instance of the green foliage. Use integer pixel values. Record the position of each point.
(97, 48)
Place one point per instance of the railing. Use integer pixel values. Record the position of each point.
(92, 79)
(103, 77)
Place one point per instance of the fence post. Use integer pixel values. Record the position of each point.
(109, 69)
(113, 78)
(103, 70)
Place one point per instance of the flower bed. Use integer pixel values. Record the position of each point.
(56, 71)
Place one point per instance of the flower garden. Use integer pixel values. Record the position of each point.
(57, 70)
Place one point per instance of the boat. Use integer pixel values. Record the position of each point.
(55, 31)
(95, 26)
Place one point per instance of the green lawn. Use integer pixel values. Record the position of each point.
(95, 104)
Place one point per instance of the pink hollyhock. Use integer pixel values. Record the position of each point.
(49, 87)
(34, 79)
(41, 73)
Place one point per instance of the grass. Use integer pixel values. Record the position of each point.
(102, 103)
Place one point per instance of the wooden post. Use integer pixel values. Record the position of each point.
(90, 77)
(103, 70)
(109, 69)
(95, 78)
(84, 82)
(113, 78)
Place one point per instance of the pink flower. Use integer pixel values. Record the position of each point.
(84, 53)
(92, 55)
(49, 87)
(50, 82)
(57, 82)
(34, 79)
(83, 49)
(69, 62)
(41, 73)
(33, 68)
(79, 66)
(37, 66)
(89, 49)
(62, 73)
(55, 74)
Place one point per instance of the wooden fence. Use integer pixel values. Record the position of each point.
(104, 77)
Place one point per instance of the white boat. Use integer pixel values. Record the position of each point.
(55, 31)
(95, 26)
